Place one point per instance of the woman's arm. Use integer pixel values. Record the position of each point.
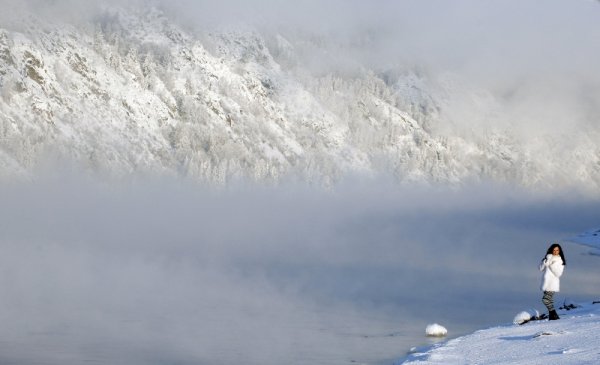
(557, 267)
(546, 262)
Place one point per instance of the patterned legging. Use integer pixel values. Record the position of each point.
(548, 300)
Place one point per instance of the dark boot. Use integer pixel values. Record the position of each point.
(553, 315)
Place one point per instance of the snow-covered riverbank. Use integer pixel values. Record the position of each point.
(571, 340)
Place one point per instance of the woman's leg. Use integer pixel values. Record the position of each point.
(548, 300)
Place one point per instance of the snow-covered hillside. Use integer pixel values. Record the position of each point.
(134, 92)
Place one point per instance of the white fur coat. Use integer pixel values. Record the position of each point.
(553, 267)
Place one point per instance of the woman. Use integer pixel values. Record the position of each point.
(552, 265)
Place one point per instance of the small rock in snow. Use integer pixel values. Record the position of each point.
(548, 333)
(569, 304)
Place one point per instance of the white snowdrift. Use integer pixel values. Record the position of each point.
(571, 340)
(435, 330)
(522, 317)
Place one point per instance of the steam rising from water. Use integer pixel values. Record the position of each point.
(161, 273)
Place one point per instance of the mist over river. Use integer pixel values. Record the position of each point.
(175, 273)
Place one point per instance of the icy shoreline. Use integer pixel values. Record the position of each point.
(570, 340)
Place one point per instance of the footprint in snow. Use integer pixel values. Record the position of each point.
(548, 333)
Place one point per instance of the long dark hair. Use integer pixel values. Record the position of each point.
(562, 255)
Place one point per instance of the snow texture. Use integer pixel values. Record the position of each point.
(522, 317)
(572, 340)
(135, 93)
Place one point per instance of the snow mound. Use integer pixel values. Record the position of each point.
(522, 317)
(435, 330)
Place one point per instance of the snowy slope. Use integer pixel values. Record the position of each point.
(589, 238)
(571, 340)
(136, 93)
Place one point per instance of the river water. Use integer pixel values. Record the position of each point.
(177, 274)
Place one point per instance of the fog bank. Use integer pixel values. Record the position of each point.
(163, 272)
